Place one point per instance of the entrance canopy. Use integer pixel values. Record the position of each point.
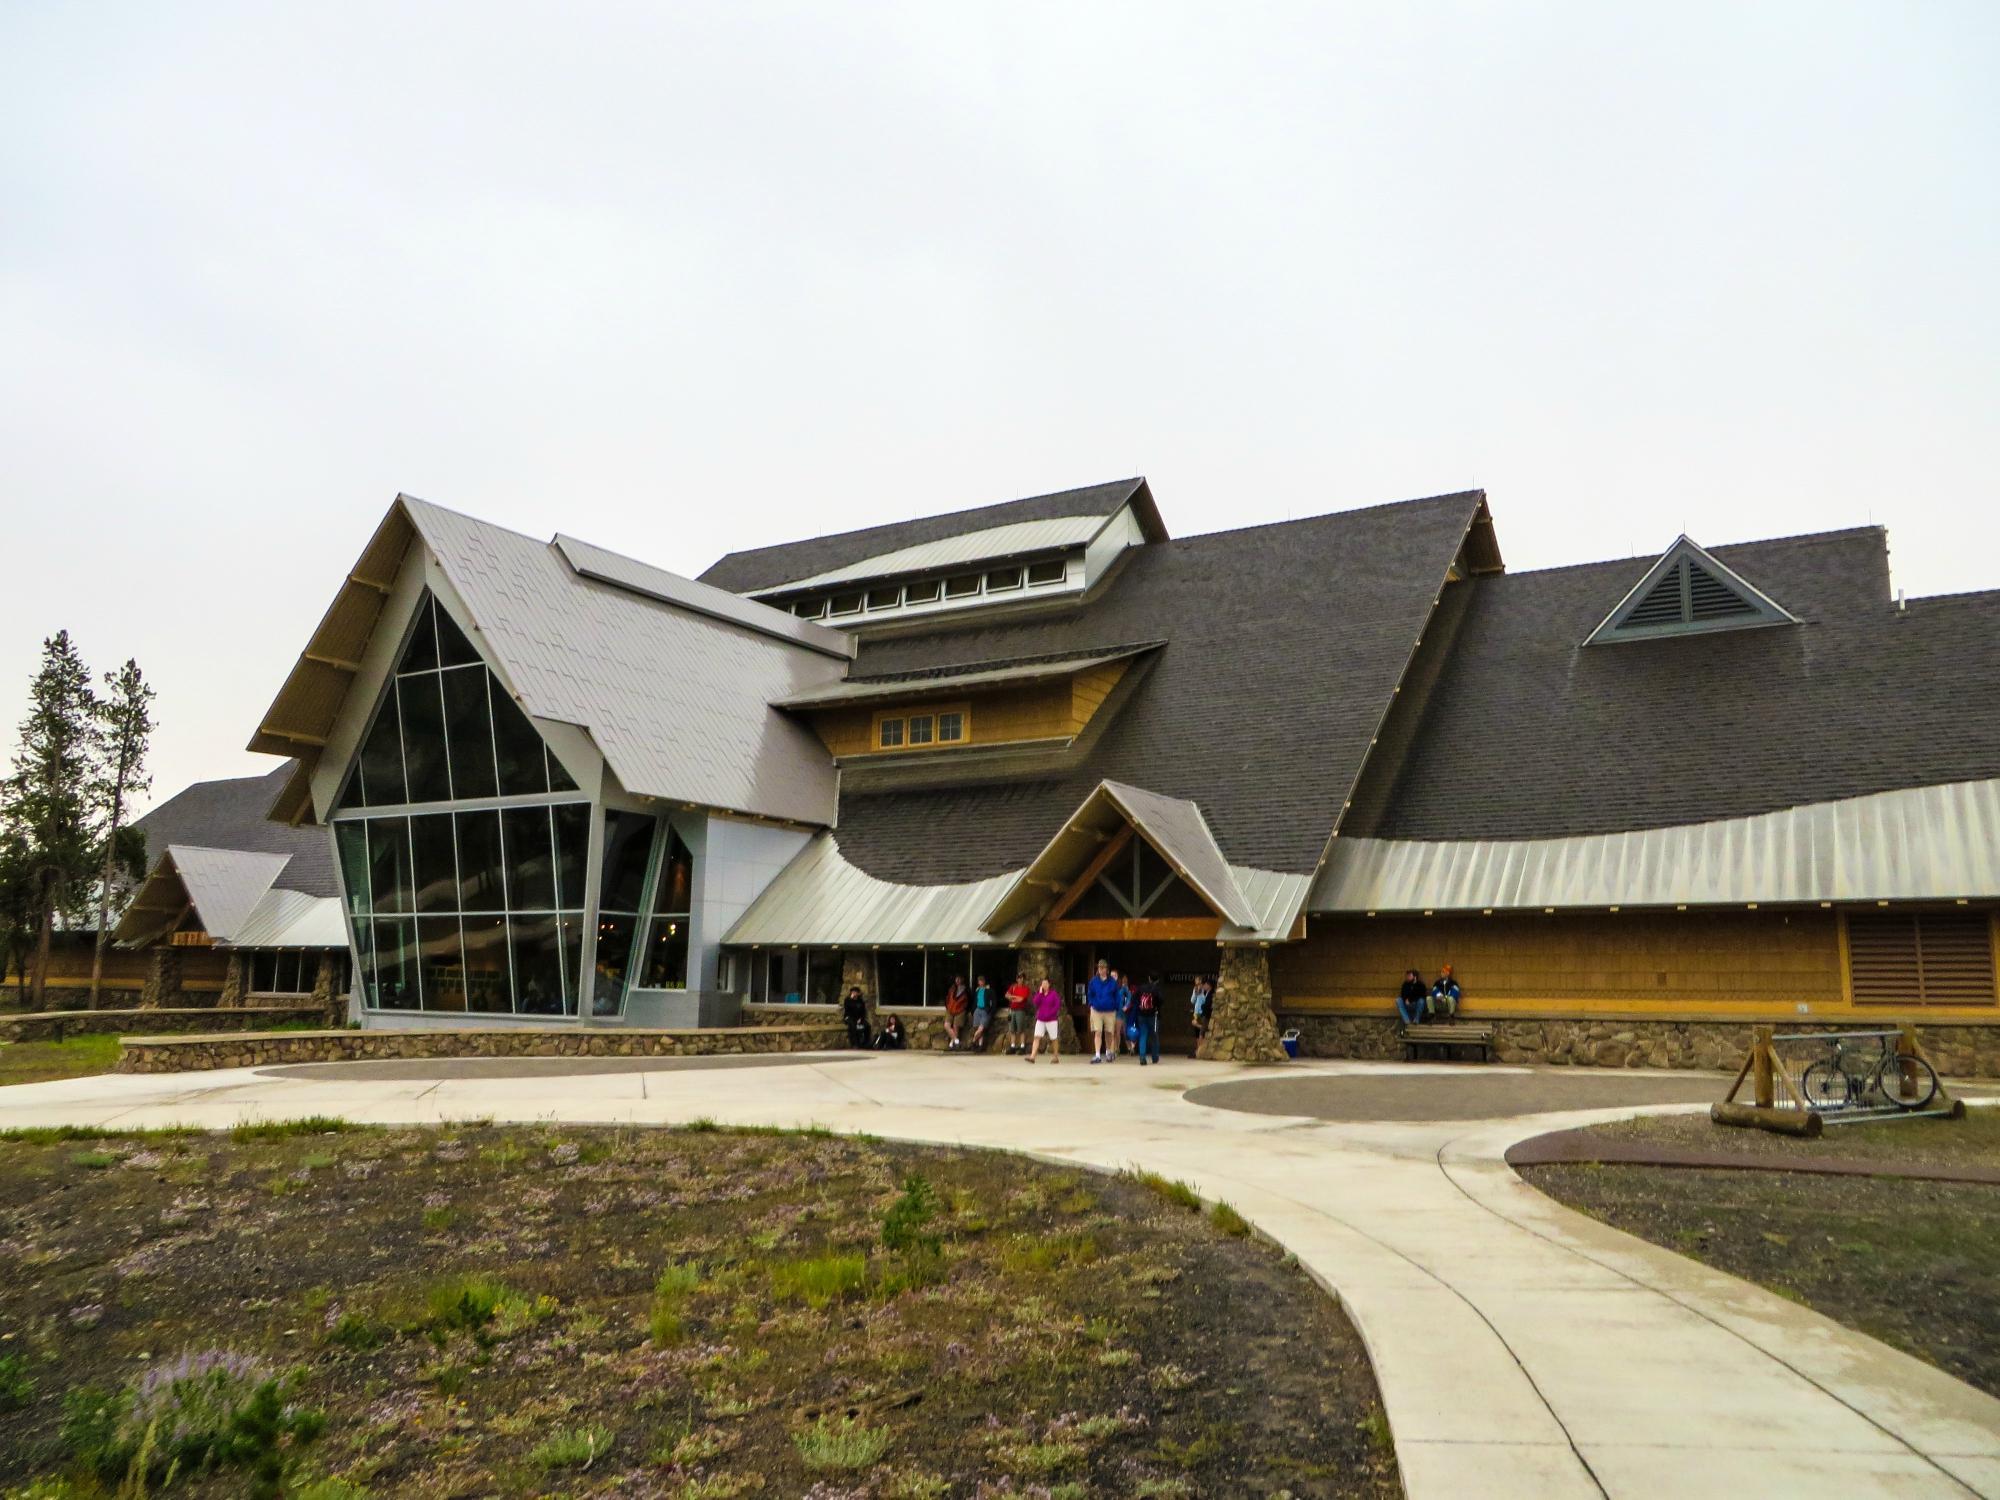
(1092, 836)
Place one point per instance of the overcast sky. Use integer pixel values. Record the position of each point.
(681, 278)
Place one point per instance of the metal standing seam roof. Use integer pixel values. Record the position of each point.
(991, 543)
(292, 919)
(1923, 843)
(871, 689)
(223, 885)
(677, 698)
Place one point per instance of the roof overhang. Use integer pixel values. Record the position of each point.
(935, 684)
(1172, 825)
(221, 887)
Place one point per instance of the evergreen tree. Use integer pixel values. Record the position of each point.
(124, 727)
(48, 796)
(17, 906)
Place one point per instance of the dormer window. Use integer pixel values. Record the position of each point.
(922, 729)
(929, 591)
(1688, 592)
(1041, 574)
(1002, 580)
(964, 586)
(885, 598)
(846, 604)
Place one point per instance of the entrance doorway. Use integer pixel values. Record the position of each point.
(1178, 964)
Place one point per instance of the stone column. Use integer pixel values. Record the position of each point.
(234, 983)
(1243, 1026)
(1039, 961)
(323, 995)
(163, 979)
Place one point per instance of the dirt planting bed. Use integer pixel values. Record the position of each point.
(693, 1313)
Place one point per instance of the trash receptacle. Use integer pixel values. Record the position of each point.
(1291, 1042)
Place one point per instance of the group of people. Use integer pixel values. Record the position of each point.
(1415, 1002)
(1121, 1015)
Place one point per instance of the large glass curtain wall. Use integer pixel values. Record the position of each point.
(481, 909)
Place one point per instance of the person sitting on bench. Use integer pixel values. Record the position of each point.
(1410, 999)
(1443, 1001)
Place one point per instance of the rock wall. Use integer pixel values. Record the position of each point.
(1958, 1051)
(163, 979)
(264, 1049)
(54, 1025)
(923, 1025)
(1244, 1024)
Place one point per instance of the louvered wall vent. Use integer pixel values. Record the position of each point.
(1927, 958)
(1688, 591)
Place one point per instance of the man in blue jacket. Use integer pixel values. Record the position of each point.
(1101, 994)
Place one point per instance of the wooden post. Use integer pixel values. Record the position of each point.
(1760, 1063)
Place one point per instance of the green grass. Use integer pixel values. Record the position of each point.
(843, 1444)
(666, 1320)
(49, 1135)
(95, 1161)
(1175, 1192)
(571, 1448)
(73, 1057)
(278, 1130)
(819, 1281)
(1229, 1221)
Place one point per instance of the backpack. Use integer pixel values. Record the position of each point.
(1149, 1000)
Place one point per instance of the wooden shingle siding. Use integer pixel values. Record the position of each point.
(1088, 690)
(1921, 958)
(1054, 710)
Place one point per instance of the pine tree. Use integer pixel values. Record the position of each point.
(17, 904)
(124, 727)
(48, 796)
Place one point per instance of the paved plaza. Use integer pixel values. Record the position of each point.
(1521, 1349)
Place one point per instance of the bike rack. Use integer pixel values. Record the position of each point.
(1779, 1090)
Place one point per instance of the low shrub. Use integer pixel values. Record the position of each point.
(819, 1281)
(200, 1412)
(356, 1331)
(571, 1448)
(841, 1443)
(905, 1222)
(480, 1305)
(17, 1386)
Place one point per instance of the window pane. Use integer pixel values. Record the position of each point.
(614, 955)
(899, 974)
(892, 733)
(389, 863)
(531, 871)
(1053, 571)
(454, 650)
(885, 598)
(963, 586)
(920, 729)
(628, 844)
(470, 732)
(423, 738)
(486, 984)
(926, 592)
(443, 963)
(522, 769)
(572, 851)
(364, 942)
(263, 973)
(823, 976)
(559, 779)
(396, 964)
(537, 965)
(422, 653)
(352, 841)
(666, 954)
(673, 890)
(950, 727)
(381, 779)
(781, 966)
(437, 870)
(846, 604)
(479, 862)
(998, 581)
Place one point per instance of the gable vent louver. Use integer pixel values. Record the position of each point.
(1688, 592)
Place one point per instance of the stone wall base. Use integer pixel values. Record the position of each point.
(1959, 1051)
(54, 1025)
(923, 1025)
(265, 1049)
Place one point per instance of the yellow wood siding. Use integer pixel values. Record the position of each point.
(1038, 711)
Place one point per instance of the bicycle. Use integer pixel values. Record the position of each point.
(1851, 1077)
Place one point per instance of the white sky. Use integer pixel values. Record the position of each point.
(685, 278)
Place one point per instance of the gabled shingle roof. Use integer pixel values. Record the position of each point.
(1284, 645)
(230, 814)
(760, 568)
(1530, 734)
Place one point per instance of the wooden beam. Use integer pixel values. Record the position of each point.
(1134, 930)
(369, 583)
(338, 663)
(1091, 871)
(297, 737)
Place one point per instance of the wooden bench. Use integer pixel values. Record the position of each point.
(1447, 1036)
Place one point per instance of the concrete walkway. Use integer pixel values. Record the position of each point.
(1521, 1349)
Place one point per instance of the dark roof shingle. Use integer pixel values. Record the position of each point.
(1530, 734)
(1283, 646)
(229, 814)
(769, 567)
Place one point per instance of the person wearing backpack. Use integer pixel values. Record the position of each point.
(1146, 1017)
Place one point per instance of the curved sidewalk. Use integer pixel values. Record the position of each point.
(1521, 1349)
